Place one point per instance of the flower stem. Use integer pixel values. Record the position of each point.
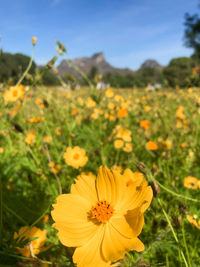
(27, 69)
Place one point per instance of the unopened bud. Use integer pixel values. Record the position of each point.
(34, 40)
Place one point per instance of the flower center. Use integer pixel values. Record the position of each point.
(15, 93)
(102, 211)
(76, 156)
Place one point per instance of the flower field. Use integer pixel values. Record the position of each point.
(99, 177)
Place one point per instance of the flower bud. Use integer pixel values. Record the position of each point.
(34, 40)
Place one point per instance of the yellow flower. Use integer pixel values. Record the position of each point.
(35, 119)
(109, 93)
(192, 220)
(47, 139)
(179, 113)
(102, 218)
(58, 131)
(14, 93)
(30, 138)
(117, 168)
(75, 157)
(118, 143)
(36, 245)
(124, 134)
(128, 147)
(1, 150)
(191, 182)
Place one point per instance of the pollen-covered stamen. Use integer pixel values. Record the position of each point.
(102, 211)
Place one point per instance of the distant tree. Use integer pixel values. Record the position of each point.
(192, 34)
(178, 71)
(146, 75)
(93, 72)
(12, 66)
(49, 78)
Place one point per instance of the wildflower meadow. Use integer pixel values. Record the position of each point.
(107, 177)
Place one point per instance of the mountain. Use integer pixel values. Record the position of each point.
(151, 63)
(85, 64)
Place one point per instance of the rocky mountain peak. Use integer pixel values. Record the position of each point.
(151, 63)
(98, 57)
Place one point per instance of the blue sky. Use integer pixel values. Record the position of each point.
(127, 31)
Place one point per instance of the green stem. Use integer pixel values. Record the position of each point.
(24, 258)
(13, 213)
(1, 211)
(186, 248)
(27, 69)
(173, 232)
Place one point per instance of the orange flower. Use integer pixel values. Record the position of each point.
(191, 182)
(151, 145)
(74, 112)
(145, 124)
(122, 112)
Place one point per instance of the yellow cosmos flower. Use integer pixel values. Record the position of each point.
(14, 93)
(191, 182)
(128, 147)
(192, 220)
(109, 93)
(58, 131)
(35, 119)
(124, 134)
(35, 246)
(75, 157)
(118, 143)
(47, 139)
(30, 138)
(102, 217)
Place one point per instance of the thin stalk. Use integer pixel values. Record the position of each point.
(1, 211)
(186, 247)
(173, 232)
(27, 69)
(15, 214)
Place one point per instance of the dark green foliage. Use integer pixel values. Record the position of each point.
(12, 66)
(179, 71)
(49, 78)
(192, 34)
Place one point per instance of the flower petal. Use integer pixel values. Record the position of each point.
(110, 186)
(136, 196)
(90, 254)
(71, 220)
(122, 226)
(75, 234)
(135, 219)
(115, 245)
(85, 187)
